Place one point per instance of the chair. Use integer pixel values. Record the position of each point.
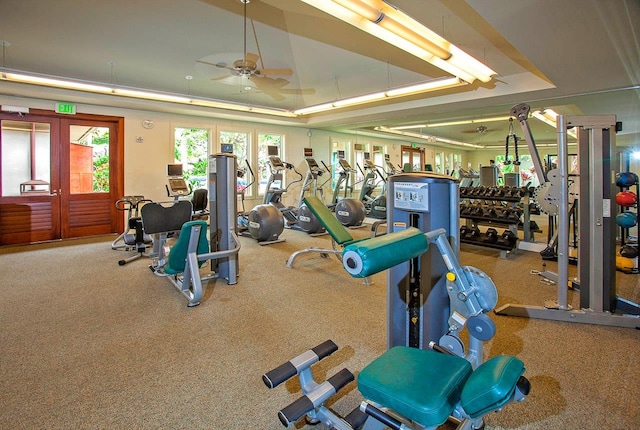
(189, 252)
(199, 202)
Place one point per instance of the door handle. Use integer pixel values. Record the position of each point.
(56, 193)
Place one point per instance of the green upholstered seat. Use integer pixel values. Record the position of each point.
(491, 385)
(422, 385)
(176, 261)
(337, 231)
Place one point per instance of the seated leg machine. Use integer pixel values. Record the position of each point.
(406, 387)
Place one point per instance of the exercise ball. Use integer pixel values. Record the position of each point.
(626, 198)
(629, 251)
(350, 212)
(266, 223)
(627, 219)
(626, 179)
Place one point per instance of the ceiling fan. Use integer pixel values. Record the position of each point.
(247, 66)
(481, 129)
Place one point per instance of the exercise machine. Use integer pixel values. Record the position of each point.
(376, 206)
(264, 223)
(349, 211)
(426, 376)
(598, 165)
(133, 238)
(273, 196)
(305, 218)
(181, 262)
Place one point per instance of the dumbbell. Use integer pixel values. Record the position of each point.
(507, 238)
(489, 212)
(490, 236)
(472, 233)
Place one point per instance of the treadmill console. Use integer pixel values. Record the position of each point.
(177, 187)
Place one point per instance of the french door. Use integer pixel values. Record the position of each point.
(413, 157)
(59, 176)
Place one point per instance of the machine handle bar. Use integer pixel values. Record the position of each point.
(282, 373)
(379, 415)
(322, 392)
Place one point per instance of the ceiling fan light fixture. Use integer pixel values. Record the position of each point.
(397, 28)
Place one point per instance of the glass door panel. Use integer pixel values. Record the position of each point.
(29, 183)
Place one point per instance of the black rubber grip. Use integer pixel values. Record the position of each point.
(382, 417)
(341, 379)
(356, 418)
(327, 347)
(295, 410)
(277, 376)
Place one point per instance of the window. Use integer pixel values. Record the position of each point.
(26, 158)
(89, 159)
(191, 149)
(265, 140)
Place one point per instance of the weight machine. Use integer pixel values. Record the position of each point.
(182, 262)
(598, 165)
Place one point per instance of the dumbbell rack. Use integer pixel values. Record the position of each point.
(624, 235)
(496, 206)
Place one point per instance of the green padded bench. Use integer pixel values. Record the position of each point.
(426, 386)
(366, 256)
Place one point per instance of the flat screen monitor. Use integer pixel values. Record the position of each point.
(308, 152)
(272, 150)
(174, 170)
(226, 148)
(367, 156)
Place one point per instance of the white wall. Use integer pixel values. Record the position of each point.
(147, 151)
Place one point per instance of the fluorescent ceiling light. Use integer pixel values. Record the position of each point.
(57, 82)
(549, 117)
(397, 28)
(429, 138)
(432, 85)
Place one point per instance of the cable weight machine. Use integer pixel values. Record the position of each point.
(598, 165)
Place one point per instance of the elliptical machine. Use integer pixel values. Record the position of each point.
(264, 223)
(349, 211)
(376, 206)
(265, 214)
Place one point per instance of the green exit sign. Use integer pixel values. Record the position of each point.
(66, 108)
(414, 145)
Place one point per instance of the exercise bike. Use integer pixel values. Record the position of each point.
(133, 238)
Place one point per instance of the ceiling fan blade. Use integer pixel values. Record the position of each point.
(264, 72)
(218, 65)
(297, 91)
